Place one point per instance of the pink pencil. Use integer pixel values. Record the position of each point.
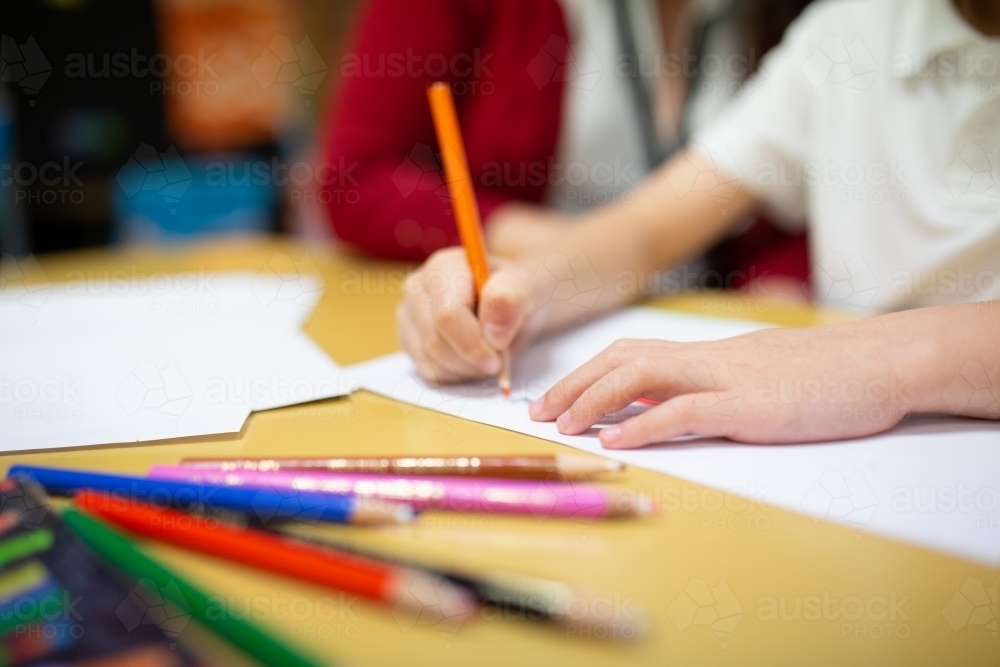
(459, 494)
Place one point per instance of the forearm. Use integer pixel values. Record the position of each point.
(615, 251)
(518, 229)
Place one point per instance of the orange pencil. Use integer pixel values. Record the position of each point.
(463, 198)
(370, 578)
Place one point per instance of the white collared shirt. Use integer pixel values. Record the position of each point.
(878, 123)
(601, 155)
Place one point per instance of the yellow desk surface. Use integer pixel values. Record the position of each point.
(791, 591)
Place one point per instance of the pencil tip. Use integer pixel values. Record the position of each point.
(371, 511)
(431, 599)
(504, 377)
(645, 505)
(574, 465)
(634, 505)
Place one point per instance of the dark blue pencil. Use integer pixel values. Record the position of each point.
(265, 504)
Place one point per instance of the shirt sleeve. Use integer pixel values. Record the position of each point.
(763, 138)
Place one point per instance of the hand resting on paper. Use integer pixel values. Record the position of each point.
(789, 385)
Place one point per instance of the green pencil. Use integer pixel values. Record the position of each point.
(25, 544)
(122, 553)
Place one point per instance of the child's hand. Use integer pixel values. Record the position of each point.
(438, 327)
(781, 385)
(520, 230)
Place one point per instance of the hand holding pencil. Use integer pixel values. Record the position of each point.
(461, 315)
(446, 335)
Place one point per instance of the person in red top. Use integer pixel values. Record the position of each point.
(540, 93)
(483, 49)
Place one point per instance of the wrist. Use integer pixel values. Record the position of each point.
(516, 230)
(920, 363)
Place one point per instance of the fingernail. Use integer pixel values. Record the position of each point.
(490, 365)
(535, 409)
(610, 435)
(563, 421)
(495, 333)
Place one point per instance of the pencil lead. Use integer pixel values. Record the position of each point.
(504, 377)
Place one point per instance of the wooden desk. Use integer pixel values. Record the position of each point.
(805, 593)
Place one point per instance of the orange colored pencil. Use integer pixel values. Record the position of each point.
(366, 577)
(463, 197)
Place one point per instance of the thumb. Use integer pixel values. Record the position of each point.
(503, 306)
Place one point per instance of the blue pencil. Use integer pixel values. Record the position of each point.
(265, 504)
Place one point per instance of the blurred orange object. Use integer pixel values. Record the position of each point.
(238, 70)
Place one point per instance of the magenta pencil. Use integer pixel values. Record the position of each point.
(458, 494)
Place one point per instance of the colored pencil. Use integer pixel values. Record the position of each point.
(120, 552)
(385, 582)
(515, 594)
(27, 577)
(25, 544)
(461, 494)
(557, 466)
(270, 504)
(463, 198)
(41, 603)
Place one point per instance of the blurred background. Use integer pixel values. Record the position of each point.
(162, 120)
(166, 121)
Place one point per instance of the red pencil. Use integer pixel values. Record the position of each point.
(377, 580)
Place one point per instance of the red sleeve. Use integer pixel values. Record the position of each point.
(389, 197)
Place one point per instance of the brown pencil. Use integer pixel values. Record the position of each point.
(556, 467)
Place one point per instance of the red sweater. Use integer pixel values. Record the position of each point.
(381, 130)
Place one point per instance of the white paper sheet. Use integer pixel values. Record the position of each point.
(112, 359)
(933, 482)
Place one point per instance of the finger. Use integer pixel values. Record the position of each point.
(410, 340)
(452, 333)
(503, 306)
(643, 376)
(560, 397)
(674, 418)
(420, 339)
(438, 351)
(460, 329)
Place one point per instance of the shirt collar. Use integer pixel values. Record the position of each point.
(935, 28)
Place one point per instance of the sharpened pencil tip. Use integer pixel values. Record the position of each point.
(504, 377)
(376, 512)
(573, 466)
(634, 505)
(431, 599)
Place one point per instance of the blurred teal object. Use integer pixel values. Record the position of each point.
(163, 197)
(12, 234)
(6, 131)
